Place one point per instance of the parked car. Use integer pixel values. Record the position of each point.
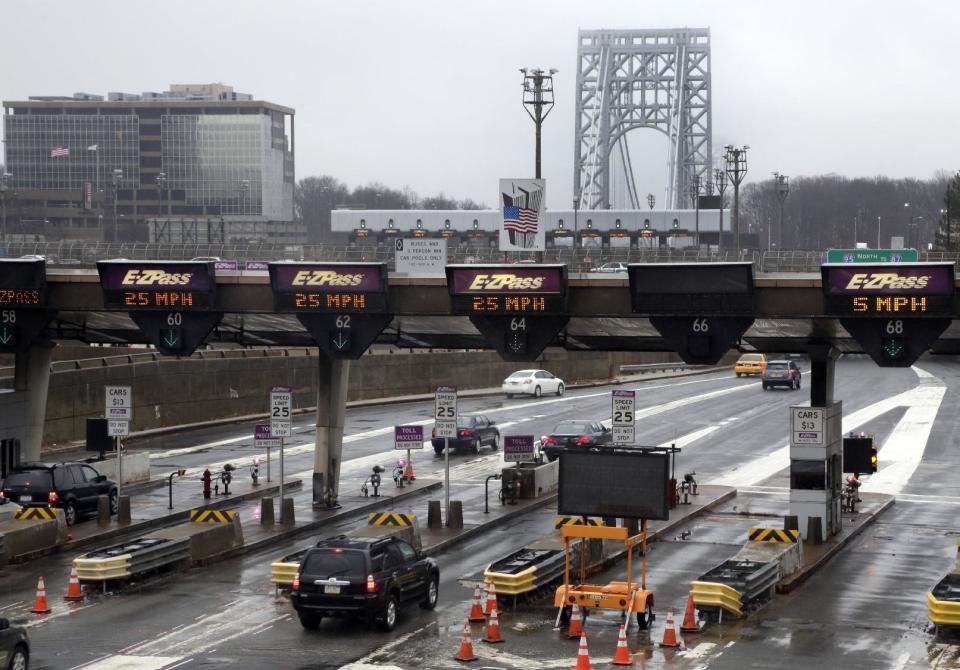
(363, 577)
(206, 259)
(750, 364)
(14, 646)
(532, 382)
(781, 373)
(73, 487)
(473, 431)
(575, 433)
(611, 267)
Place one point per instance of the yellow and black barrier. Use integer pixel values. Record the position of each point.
(943, 612)
(715, 594)
(562, 521)
(773, 535)
(211, 516)
(35, 514)
(396, 519)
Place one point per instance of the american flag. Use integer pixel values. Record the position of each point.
(59, 151)
(520, 219)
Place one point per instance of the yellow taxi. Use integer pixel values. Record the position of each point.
(751, 364)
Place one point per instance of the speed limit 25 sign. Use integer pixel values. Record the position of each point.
(624, 414)
(281, 411)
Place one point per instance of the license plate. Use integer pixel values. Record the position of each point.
(26, 498)
(331, 590)
(595, 596)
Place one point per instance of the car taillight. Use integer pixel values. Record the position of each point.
(371, 584)
(466, 432)
(52, 497)
(296, 582)
(583, 439)
(548, 440)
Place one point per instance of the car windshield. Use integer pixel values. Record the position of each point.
(521, 374)
(465, 421)
(751, 358)
(572, 427)
(324, 563)
(776, 366)
(29, 478)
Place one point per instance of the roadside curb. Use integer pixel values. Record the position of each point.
(481, 528)
(373, 402)
(316, 524)
(806, 572)
(172, 518)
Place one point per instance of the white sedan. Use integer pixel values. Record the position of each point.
(532, 382)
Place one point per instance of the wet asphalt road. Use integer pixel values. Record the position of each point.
(865, 610)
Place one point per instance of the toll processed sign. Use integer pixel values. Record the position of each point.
(614, 483)
(408, 437)
(518, 448)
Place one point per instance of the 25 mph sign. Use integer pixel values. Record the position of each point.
(624, 413)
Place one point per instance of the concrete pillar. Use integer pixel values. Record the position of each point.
(332, 377)
(823, 360)
(31, 380)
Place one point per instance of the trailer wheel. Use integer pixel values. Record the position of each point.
(645, 618)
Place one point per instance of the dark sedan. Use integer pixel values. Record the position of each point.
(575, 434)
(473, 432)
(14, 646)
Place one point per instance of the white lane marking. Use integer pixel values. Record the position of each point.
(170, 453)
(903, 449)
(901, 661)
(123, 662)
(766, 466)
(387, 648)
(690, 438)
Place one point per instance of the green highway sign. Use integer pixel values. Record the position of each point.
(872, 256)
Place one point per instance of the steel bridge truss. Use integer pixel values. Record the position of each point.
(630, 79)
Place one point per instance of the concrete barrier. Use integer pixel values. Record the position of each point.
(136, 467)
(21, 538)
(207, 540)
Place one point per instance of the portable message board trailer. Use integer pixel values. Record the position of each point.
(636, 485)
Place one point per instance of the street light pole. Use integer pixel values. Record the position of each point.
(720, 181)
(537, 95)
(736, 166)
(782, 187)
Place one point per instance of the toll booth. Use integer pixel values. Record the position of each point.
(9, 455)
(816, 470)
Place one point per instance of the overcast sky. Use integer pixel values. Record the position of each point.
(427, 93)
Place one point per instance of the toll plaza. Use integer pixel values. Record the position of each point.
(700, 311)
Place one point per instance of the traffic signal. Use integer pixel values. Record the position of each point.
(873, 458)
(893, 348)
(646, 224)
(676, 224)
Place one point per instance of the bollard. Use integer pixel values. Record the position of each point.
(123, 511)
(103, 510)
(456, 514)
(790, 522)
(814, 530)
(433, 514)
(266, 512)
(286, 512)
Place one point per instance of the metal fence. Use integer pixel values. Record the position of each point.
(85, 254)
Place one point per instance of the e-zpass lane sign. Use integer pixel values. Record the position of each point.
(119, 403)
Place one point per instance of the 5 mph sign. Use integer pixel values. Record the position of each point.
(624, 412)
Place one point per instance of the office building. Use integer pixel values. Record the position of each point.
(193, 163)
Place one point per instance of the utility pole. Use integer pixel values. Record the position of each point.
(720, 181)
(782, 187)
(736, 167)
(537, 101)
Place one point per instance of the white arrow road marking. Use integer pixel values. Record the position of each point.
(124, 662)
(923, 401)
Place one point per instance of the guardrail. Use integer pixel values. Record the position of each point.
(123, 561)
(525, 570)
(652, 367)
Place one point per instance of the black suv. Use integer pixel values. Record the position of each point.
(73, 487)
(363, 577)
(14, 646)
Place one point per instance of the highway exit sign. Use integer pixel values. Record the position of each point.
(872, 256)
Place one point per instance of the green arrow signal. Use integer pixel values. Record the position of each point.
(171, 340)
(340, 342)
(5, 336)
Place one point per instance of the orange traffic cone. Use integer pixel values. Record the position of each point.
(408, 472)
(40, 605)
(689, 624)
(583, 655)
(576, 625)
(622, 657)
(466, 646)
(73, 589)
(493, 628)
(476, 609)
(491, 598)
(669, 632)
